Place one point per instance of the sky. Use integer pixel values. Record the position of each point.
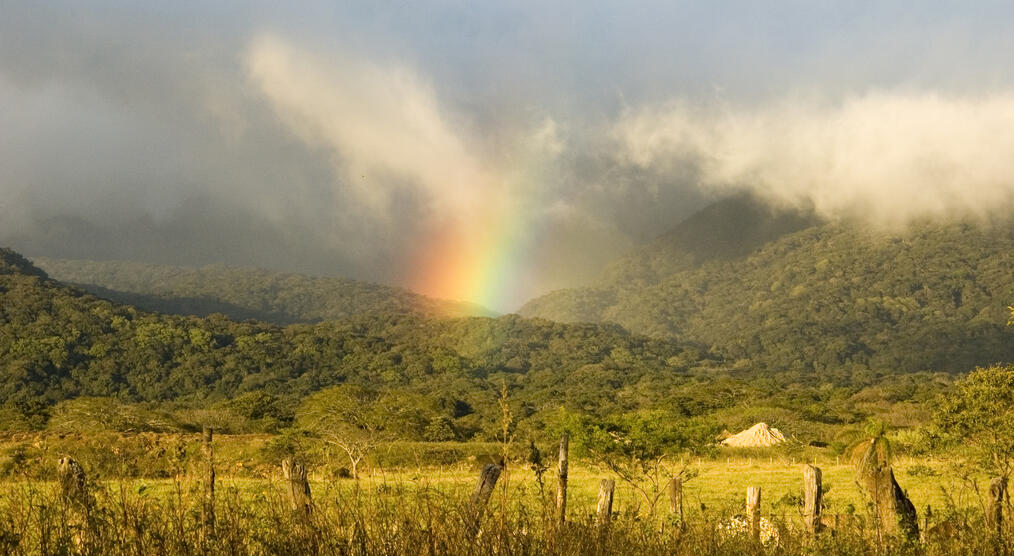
(488, 152)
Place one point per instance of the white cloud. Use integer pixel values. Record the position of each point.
(890, 157)
(383, 124)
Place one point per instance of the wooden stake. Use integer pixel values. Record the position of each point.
(753, 498)
(298, 488)
(74, 492)
(994, 511)
(73, 483)
(812, 495)
(894, 513)
(561, 487)
(483, 490)
(208, 507)
(676, 500)
(604, 508)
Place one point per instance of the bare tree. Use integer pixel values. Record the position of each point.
(351, 418)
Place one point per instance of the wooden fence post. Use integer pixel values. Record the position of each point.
(994, 511)
(208, 507)
(561, 486)
(297, 487)
(74, 492)
(604, 508)
(812, 495)
(753, 498)
(483, 490)
(676, 500)
(893, 512)
(73, 483)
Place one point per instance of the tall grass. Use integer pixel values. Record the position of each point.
(400, 517)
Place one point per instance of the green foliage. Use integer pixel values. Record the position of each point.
(267, 412)
(57, 343)
(90, 414)
(243, 293)
(980, 414)
(638, 436)
(442, 375)
(872, 456)
(825, 298)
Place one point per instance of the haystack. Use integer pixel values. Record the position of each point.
(758, 435)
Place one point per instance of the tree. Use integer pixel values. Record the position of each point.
(349, 417)
(637, 447)
(980, 412)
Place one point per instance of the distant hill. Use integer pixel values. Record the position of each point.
(58, 342)
(69, 354)
(723, 231)
(726, 230)
(12, 263)
(245, 293)
(828, 297)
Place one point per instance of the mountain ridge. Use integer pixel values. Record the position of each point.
(931, 297)
(245, 293)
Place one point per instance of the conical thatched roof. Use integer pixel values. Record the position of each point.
(758, 435)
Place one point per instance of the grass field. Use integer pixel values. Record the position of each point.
(420, 508)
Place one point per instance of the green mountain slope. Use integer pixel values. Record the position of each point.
(245, 293)
(727, 230)
(67, 353)
(828, 297)
(58, 342)
(723, 231)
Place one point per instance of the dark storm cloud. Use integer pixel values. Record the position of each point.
(150, 132)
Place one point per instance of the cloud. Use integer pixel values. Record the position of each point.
(382, 123)
(888, 157)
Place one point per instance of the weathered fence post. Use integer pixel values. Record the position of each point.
(753, 498)
(297, 487)
(73, 483)
(812, 496)
(208, 506)
(561, 486)
(604, 508)
(483, 490)
(676, 500)
(994, 511)
(893, 513)
(74, 492)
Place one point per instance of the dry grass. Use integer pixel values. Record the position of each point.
(424, 511)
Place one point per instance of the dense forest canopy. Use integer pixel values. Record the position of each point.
(932, 297)
(66, 353)
(245, 293)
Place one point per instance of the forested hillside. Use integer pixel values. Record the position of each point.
(723, 231)
(57, 342)
(67, 351)
(932, 297)
(245, 293)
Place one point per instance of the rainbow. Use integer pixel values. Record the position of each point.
(478, 264)
(482, 257)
